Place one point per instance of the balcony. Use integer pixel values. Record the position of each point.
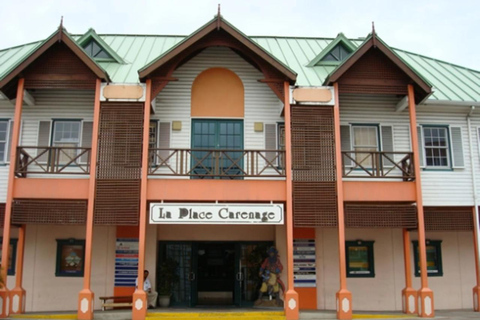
(378, 165)
(52, 160)
(217, 163)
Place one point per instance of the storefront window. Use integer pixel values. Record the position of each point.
(70, 258)
(12, 256)
(360, 259)
(434, 258)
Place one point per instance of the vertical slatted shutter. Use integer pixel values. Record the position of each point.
(457, 147)
(387, 144)
(421, 148)
(87, 131)
(270, 140)
(9, 144)
(163, 141)
(346, 143)
(43, 139)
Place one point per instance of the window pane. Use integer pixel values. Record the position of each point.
(3, 130)
(436, 146)
(358, 259)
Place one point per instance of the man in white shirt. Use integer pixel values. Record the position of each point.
(147, 287)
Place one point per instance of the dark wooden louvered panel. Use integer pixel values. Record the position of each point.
(49, 211)
(119, 164)
(59, 68)
(380, 215)
(117, 202)
(2, 214)
(448, 218)
(313, 167)
(374, 73)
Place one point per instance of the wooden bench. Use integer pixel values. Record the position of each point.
(117, 302)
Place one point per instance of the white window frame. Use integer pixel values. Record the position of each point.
(447, 147)
(6, 146)
(57, 121)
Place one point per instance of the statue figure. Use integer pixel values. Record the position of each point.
(270, 271)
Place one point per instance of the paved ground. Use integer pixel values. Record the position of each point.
(312, 315)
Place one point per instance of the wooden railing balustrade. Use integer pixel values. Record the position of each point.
(216, 163)
(52, 160)
(378, 164)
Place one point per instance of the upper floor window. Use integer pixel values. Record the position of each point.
(440, 147)
(436, 146)
(95, 51)
(3, 140)
(66, 134)
(365, 141)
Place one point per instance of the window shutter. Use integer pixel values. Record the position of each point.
(346, 143)
(163, 141)
(421, 148)
(457, 147)
(43, 139)
(87, 131)
(270, 141)
(387, 145)
(9, 144)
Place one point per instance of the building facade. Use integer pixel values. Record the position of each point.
(356, 161)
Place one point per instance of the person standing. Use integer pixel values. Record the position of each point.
(147, 287)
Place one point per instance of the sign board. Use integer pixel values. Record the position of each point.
(208, 213)
(304, 264)
(126, 262)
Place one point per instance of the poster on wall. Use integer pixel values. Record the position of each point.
(126, 262)
(304, 264)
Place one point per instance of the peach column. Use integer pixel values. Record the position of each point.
(343, 296)
(291, 296)
(17, 295)
(4, 294)
(86, 296)
(476, 289)
(139, 308)
(409, 295)
(425, 294)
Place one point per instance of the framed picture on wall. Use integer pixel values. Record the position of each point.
(12, 256)
(70, 258)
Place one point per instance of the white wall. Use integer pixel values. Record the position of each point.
(383, 292)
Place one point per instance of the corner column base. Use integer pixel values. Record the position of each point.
(425, 303)
(139, 306)
(344, 304)
(409, 301)
(476, 299)
(4, 302)
(292, 310)
(85, 305)
(17, 300)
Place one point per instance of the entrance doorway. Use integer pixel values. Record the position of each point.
(214, 273)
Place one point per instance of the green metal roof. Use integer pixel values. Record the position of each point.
(451, 82)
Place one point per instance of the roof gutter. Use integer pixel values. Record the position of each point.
(474, 184)
(452, 103)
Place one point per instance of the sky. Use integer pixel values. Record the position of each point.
(442, 29)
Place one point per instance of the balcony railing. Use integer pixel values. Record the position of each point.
(219, 164)
(378, 164)
(52, 160)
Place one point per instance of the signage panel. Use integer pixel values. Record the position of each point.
(304, 263)
(208, 213)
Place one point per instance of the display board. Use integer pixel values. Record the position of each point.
(126, 262)
(304, 263)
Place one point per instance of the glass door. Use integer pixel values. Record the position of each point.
(249, 258)
(215, 136)
(184, 292)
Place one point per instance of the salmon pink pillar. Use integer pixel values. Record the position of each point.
(4, 294)
(425, 294)
(409, 295)
(86, 296)
(17, 295)
(139, 308)
(343, 297)
(291, 296)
